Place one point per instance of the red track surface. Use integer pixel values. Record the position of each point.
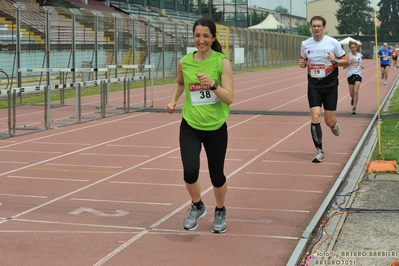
(110, 191)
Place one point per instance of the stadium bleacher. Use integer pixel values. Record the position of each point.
(32, 18)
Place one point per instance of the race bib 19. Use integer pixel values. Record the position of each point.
(317, 70)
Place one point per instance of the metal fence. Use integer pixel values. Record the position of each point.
(58, 38)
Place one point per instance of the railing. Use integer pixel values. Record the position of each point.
(67, 38)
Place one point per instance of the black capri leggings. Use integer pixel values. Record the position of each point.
(215, 145)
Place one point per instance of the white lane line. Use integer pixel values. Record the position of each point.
(204, 158)
(79, 129)
(113, 155)
(186, 204)
(83, 165)
(170, 169)
(250, 221)
(163, 169)
(77, 224)
(60, 143)
(41, 112)
(68, 232)
(170, 214)
(139, 146)
(83, 149)
(123, 201)
(48, 178)
(229, 235)
(13, 162)
(35, 152)
(265, 209)
(155, 232)
(277, 189)
(308, 152)
(23, 196)
(265, 94)
(281, 174)
(242, 149)
(287, 103)
(147, 184)
(297, 162)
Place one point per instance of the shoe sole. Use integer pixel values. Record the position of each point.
(219, 232)
(195, 227)
(315, 160)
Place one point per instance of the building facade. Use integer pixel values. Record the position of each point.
(226, 12)
(326, 9)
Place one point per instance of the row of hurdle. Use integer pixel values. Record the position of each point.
(79, 111)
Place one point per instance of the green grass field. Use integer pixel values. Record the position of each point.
(388, 145)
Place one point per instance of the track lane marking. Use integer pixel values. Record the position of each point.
(186, 204)
(123, 201)
(281, 174)
(47, 178)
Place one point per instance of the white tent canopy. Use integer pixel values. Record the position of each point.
(347, 40)
(270, 23)
(345, 44)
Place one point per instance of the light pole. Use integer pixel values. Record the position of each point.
(291, 17)
(250, 20)
(306, 10)
(249, 12)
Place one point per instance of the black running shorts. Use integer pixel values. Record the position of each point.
(353, 78)
(326, 97)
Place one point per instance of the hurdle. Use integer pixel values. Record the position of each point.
(12, 103)
(61, 72)
(104, 108)
(150, 68)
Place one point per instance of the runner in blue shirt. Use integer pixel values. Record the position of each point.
(385, 56)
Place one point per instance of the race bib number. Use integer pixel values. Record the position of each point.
(202, 94)
(317, 70)
(355, 66)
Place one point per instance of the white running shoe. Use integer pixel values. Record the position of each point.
(336, 130)
(319, 156)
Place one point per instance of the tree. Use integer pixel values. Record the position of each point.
(389, 16)
(355, 17)
(193, 8)
(257, 18)
(304, 29)
(281, 9)
(208, 9)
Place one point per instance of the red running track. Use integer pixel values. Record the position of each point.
(110, 191)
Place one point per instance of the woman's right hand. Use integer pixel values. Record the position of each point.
(170, 108)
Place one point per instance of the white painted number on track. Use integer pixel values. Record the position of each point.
(98, 213)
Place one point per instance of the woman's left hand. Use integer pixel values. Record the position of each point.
(205, 80)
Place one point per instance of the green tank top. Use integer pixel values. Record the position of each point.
(201, 109)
